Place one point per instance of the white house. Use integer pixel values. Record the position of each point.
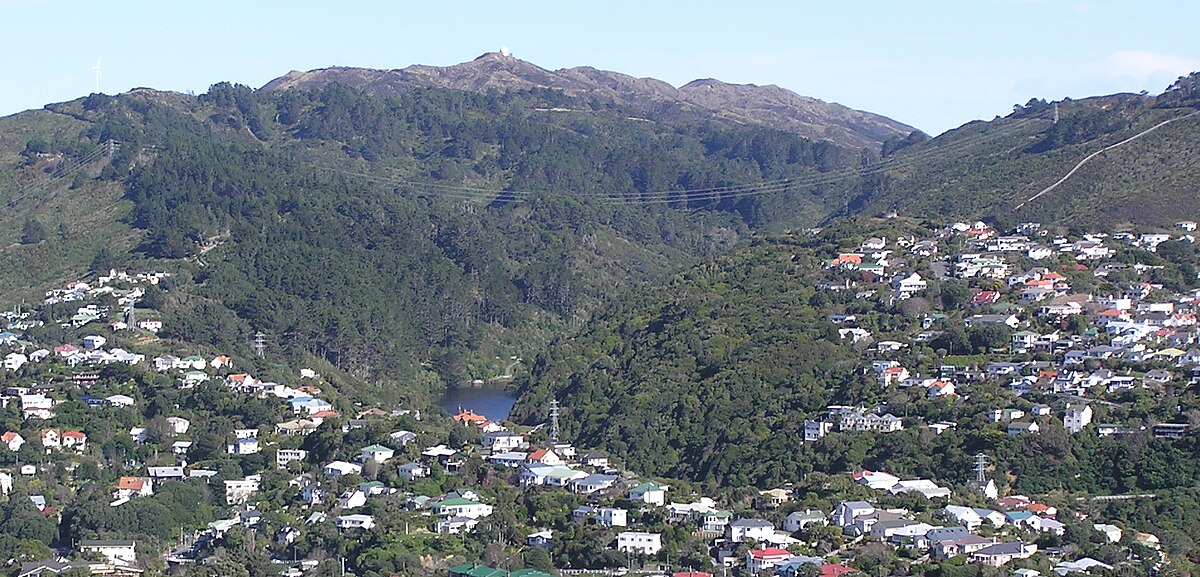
(767, 558)
(649, 493)
(502, 441)
(798, 520)
(13, 440)
(639, 542)
(353, 499)
(285, 456)
(120, 400)
(611, 517)
(847, 511)
(179, 425)
(462, 508)
(14, 361)
(117, 552)
(341, 468)
(377, 453)
(355, 522)
(412, 471)
(1076, 417)
(877, 480)
(747, 529)
(246, 446)
(239, 491)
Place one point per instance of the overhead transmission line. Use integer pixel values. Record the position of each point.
(60, 173)
(494, 195)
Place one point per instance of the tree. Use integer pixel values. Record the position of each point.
(104, 261)
(33, 232)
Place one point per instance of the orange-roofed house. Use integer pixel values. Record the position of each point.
(222, 361)
(846, 260)
(240, 381)
(12, 440)
(893, 375)
(1043, 510)
(544, 457)
(469, 417)
(130, 487)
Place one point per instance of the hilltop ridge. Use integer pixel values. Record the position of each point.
(703, 100)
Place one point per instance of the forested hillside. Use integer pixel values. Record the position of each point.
(711, 377)
(437, 228)
(445, 228)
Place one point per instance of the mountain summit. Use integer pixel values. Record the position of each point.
(698, 101)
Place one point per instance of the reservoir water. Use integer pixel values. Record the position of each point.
(494, 404)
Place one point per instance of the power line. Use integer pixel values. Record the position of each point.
(61, 173)
(503, 196)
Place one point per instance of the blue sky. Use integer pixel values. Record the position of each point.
(932, 64)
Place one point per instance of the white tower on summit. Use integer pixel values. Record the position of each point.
(505, 52)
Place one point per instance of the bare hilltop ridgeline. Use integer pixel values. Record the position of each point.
(700, 100)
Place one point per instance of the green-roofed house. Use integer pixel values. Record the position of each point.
(462, 508)
(377, 453)
(193, 361)
(650, 493)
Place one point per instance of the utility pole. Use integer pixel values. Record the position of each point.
(1056, 113)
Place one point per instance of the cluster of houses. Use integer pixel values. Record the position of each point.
(1137, 328)
(1143, 338)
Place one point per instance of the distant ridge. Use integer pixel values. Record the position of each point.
(702, 100)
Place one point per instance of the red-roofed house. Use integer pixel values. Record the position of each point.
(835, 570)
(893, 375)
(12, 440)
(759, 560)
(74, 440)
(65, 350)
(985, 297)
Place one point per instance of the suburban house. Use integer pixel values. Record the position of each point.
(285, 456)
(639, 542)
(462, 508)
(759, 560)
(12, 440)
(341, 468)
(798, 520)
(412, 471)
(130, 487)
(1076, 417)
(750, 529)
(649, 493)
(376, 453)
(354, 522)
(117, 552)
(1000, 554)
